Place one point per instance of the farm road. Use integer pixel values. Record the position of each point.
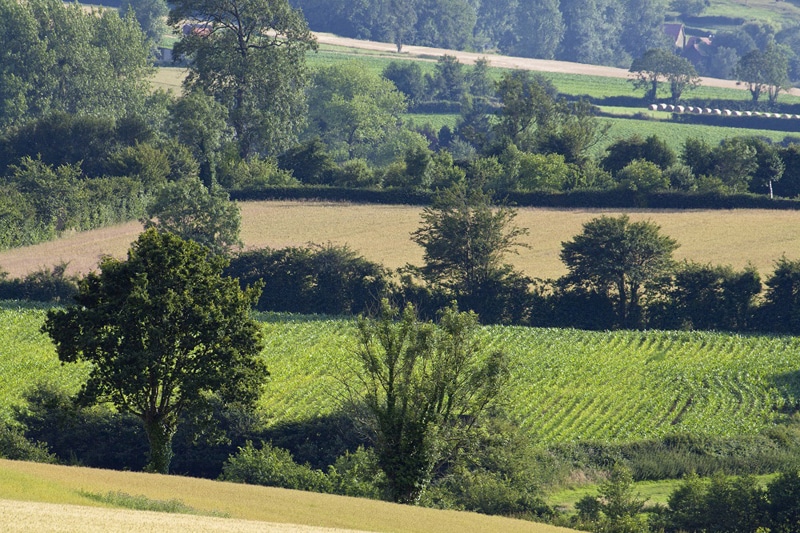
(522, 63)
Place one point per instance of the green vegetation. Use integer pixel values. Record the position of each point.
(142, 503)
(634, 385)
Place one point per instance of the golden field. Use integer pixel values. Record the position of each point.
(47, 498)
(381, 233)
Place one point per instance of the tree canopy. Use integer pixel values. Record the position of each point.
(163, 331)
(421, 388)
(250, 56)
(658, 65)
(615, 254)
(465, 239)
(57, 57)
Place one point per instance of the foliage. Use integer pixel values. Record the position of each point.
(781, 308)
(272, 467)
(465, 240)
(353, 111)
(624, 151)
(658, 65)
(767, 69)
(613, 254)
(421, 388)
(250, 56)
(163, 329)
(45, 285)
(191, 211)
(57, 57)
(150, 14)
(14, 446)
(321, 279)
(707, 297)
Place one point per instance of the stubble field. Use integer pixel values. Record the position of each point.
(381, 233)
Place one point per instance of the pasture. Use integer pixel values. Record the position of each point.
(62, 504)
(381, 233)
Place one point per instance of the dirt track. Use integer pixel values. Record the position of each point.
(522, 63)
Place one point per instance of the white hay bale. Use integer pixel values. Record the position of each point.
(653, 107)
(662, 107)
(680, 108)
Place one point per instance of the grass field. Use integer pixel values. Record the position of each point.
(382, 233)
(250, 508)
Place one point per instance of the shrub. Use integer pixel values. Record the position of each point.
(273, 467)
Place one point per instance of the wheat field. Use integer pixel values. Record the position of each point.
(382, 233)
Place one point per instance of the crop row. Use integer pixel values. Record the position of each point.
(566, 384)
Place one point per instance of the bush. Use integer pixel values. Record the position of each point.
(317, 279)
(357, 474)
(273, 467)
(14, 446)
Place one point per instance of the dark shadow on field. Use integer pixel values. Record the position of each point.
(789, 385)
(277, 318)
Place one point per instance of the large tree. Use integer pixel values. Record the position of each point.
(764, 70)
(539, 29)
(162, 331)
(249, 55)
(657, 65)
(465, 240)
(354, 111)
(421, 388)
(618, 257)
(58, 57)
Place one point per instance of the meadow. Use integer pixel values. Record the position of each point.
(381, 233)
(43, 498)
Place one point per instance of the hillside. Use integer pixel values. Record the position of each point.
(633, 385)
(381, 233)
(45, 498)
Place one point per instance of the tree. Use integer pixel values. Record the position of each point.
(162, 331)
(616, 256)
(57, 57)
(642, 175)
(192, 211)
(407, 77)
(654, 149)
(250, 56)
(658, 64)
(421, 388)
(151, 15)
(354, 111)
(200, 122)
(768, 69)
(465, 239)
(448, 81)
(539, 29)
(781, 308)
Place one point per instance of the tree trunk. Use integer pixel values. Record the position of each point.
(160, 431)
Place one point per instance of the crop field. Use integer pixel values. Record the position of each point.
(28, 359)
(381, 233)
(39, 498)
(573, 385)
(567, 385)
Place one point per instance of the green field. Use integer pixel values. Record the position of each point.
(567, 385)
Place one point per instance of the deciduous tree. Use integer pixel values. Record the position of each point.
(616, 256)
(162, 330)
(657, 65)
(465, 239)
(250, 56)
(421, 388)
